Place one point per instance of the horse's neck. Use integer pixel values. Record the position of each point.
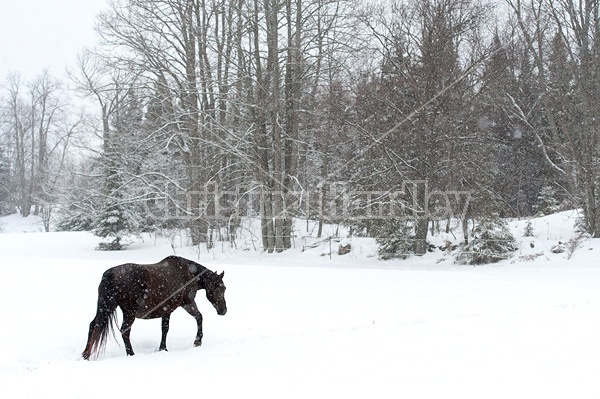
(203, 274)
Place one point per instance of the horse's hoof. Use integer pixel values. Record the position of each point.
(197, 343)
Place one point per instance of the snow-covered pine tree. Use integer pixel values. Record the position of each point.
(396, 239)
(119, 216)
(112, 227)
(115, 220)
(528, 231)
(491, 242)
(547, 203)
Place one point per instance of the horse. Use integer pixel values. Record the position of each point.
(149, 292)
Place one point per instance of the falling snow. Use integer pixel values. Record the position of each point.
(302, 325)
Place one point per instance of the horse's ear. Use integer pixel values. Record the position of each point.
(222, 274)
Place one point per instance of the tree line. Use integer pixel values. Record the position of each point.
(343, 112)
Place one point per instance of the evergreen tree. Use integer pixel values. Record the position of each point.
(547, 203)
(491, 242)
(119, 215)
(528, 231)
(116, 219)
(418, 114)
(396, 239)
(517, 168)
(78, 203)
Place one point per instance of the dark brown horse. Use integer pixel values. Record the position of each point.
(149, 292)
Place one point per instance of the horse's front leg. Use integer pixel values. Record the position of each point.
(165, 330)
(192, 309)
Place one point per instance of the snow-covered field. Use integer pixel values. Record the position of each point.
(304, 325)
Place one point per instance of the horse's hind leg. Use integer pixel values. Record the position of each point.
(88, 348)
(193, 310)
(128, 320)
(165, 330)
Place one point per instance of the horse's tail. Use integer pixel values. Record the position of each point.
(105, 318)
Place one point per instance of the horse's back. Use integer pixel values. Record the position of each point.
(150, 290)
(128, 272)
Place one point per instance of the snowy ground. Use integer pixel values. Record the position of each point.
(304, 325)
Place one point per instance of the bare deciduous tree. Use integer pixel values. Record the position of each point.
(38, 128)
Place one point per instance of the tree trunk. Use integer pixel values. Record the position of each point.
(421, 229)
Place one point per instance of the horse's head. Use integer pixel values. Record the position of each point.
(215, 291)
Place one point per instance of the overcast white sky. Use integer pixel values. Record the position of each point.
(38, 34)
